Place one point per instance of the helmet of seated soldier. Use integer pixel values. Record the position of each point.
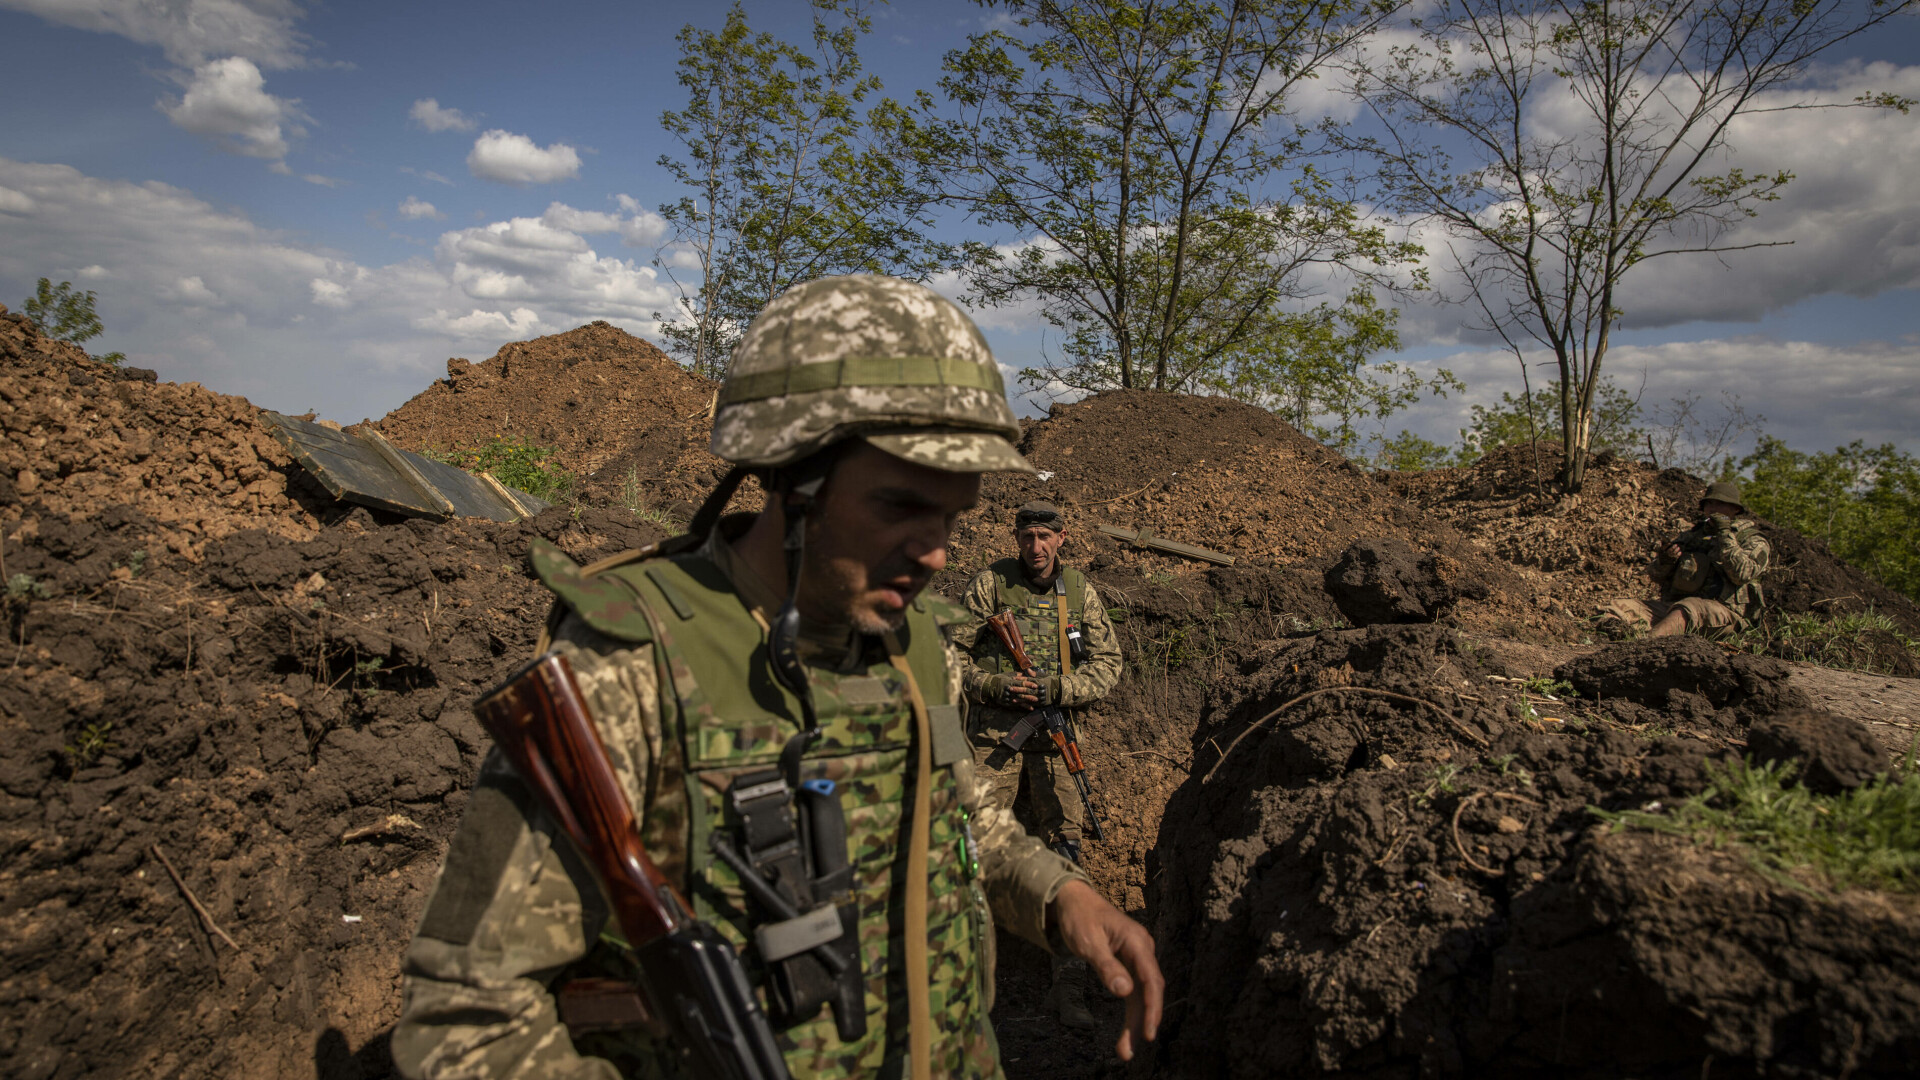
(871, 357)
(1724, 491)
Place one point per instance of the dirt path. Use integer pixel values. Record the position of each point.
(1889, 707)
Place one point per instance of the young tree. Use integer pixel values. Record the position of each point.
(1535, 415)
(63, 313)
(1587, 132)
(1142, 156)
(791, 176)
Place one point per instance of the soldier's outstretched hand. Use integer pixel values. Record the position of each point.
(1120, 951)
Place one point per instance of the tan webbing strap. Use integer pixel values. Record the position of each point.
(919, 973)
(1060, 608)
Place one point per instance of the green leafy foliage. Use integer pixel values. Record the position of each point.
(64, 313)
(1168, 222)
(1866, 838)
(792, 170)
(516, 463)
(1862, 502)
(1516, 421)
(25, 586)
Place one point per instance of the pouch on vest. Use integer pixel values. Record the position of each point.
(795, 845)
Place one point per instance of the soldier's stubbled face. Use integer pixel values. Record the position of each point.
(877, 536)
(1039, 551)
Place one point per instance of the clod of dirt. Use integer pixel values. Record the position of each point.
(1687, 674)
(1835, 754)
(1386, 580)
(1463, 912)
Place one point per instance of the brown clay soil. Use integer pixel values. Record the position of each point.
(610, 405)
(214, 657)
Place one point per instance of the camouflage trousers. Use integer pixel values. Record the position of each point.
(1707, 618)
(1051, 809)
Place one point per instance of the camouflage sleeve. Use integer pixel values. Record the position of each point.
(1019, 874)
(1097, 677)
(980, 597)
(1742, 555)
(514, 904)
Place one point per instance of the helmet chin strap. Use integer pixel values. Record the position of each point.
(784, 644)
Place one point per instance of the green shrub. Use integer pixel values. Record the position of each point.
(516, 463)
(1863, 503)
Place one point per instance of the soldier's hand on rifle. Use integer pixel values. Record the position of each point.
(1673, 551)
(1120, 951)
(1012, 690)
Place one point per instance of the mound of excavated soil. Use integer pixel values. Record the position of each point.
(1362, 887)
(212, 657)
(1227, 476)
(611, 405)
(77, 436)
(1593, 546)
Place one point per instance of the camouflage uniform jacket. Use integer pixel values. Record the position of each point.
(1004, 581)
(514, 908)
(1739, 557)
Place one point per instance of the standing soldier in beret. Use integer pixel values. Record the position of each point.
(1071, 643)
(1709, 576)
(868, 408)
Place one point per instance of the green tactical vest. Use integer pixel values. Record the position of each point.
(723, 714)
(1037, 616)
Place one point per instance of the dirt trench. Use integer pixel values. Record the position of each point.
(1403, 874)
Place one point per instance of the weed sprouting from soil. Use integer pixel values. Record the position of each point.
(515, 462)
(1865, 838)
(1864, 641)
(633, 498)
(25, 586)
(90, 745)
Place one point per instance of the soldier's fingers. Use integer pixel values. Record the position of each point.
(1145, 1001)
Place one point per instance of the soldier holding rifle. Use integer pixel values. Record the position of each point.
(1709, 576)
(732, 827)
(1075, 661)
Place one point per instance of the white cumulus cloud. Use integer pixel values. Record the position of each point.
(416, 209)
(430, 114)
(15, 202)
(515, 159)
(188, 31)
(204, 293)
(226, 100)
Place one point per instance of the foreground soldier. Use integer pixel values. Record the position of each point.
(869, 407)
(1709, 576)
(1058, 613)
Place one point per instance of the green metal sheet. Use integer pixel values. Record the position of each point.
(364, 468)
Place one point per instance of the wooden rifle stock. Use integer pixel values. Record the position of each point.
(695, 988)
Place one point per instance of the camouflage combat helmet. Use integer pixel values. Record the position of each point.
(872, 357)
(1725, 491)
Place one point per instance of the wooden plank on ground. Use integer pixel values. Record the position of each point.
(1145, 538)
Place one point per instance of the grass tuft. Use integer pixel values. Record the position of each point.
(1868, 838)
(1847, 642)
(516, 463)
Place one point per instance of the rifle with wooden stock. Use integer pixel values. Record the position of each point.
(693, 987)
(1052, 717)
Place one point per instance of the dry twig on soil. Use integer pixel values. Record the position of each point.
(192, 900)
(1284, 706)
(1461, 809)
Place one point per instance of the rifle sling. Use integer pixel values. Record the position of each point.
(919, 988)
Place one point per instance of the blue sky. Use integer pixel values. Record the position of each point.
(262, 205)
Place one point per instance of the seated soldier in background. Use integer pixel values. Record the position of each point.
(1071, 643)
(1709, 576)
